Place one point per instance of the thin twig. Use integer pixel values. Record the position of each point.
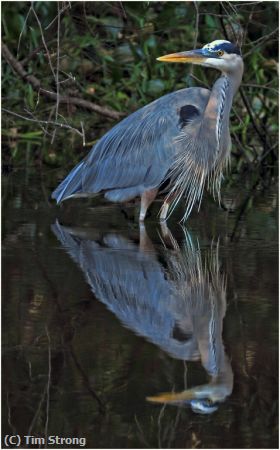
(86, 380)
(57, 70)
(43, 39)
(34, 420)
(260, 86)
(83, 132)
(142, 436)
(9, 415)
(58, 15)
(242, 4)
(48, 383)
(230, 19)
(172, 432)
(248, 107)
(55, 298)
(244, 98)
(206, 85)
(196, 32)
(196, 5)
(45, 122)
(45, 131)
(270, 150)
(185, 364)
(22, 30)
(248, 22)
(160, 416)
(260, 42)
(34, 52)
(243, 208)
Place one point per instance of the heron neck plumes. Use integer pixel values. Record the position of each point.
(218, 108)
(225, 86)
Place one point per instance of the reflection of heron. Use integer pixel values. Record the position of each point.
(182, 138)
(172, 297)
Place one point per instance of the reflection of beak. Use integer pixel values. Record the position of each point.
(170, 397)
(212, 391)
(193, 56)
(198, 403)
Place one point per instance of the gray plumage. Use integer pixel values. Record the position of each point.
(173, 297)
(136, 154)
(183, 138)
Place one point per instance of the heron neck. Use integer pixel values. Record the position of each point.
(234, 78)
(222, 92)
(220, 101)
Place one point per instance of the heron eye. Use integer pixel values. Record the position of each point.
(220, 52)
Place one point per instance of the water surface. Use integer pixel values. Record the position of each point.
(98, 315)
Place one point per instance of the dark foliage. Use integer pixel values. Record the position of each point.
(100, 57)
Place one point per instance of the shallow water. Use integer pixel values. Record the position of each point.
(98, 315)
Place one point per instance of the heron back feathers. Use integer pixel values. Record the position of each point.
(137, 153)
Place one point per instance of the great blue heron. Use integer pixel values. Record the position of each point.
(182, 138)
(175, 298)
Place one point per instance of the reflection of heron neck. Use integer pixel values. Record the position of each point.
(221, 385)
(213, 351)
(214, 359)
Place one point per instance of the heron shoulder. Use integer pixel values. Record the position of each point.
(195, 96)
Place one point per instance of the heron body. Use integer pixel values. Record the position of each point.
(182, 137)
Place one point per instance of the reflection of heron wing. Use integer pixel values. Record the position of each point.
(134, 286)
(136, 154)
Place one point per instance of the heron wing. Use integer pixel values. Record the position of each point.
(136, 154)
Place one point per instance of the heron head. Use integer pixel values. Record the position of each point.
(220, 54)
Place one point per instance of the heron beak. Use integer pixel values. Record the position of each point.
(170, 397)
(193, 56)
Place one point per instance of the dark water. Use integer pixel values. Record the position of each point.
(98, 315)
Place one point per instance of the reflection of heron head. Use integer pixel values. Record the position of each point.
(199, 406)
(204, 406)
(204, 399)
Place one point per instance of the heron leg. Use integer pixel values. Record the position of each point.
(146, 199)
(164, 211)
(165, 206)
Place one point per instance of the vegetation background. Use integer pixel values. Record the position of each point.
(72, 69)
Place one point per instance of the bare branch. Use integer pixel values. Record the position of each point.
(34, 52)
(259, 86)
(48, 382)
(252, 117)
(83, 132)
(196, 5)
(57, 68)
(260, 42)
(45, 122)
(43, 39)
(58, 15)
(35, 83)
